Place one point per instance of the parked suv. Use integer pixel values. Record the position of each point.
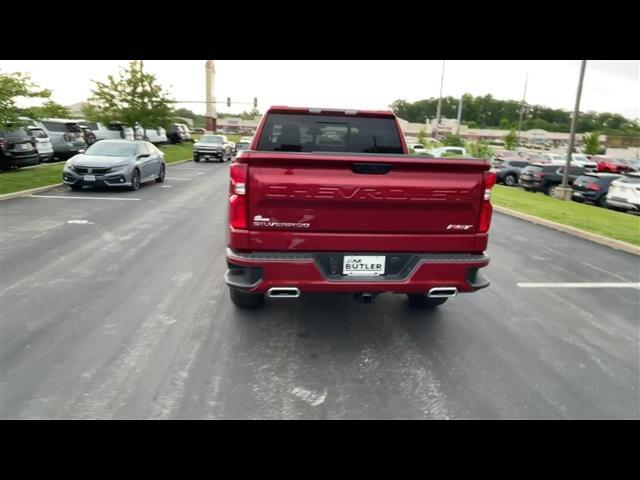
(45, 149)
(157, 136)
(581, 160)
(624, 193)
(508, 171)
(593, 188)
(545, 178)
(18, 148)
(113, 130)
(66, 137)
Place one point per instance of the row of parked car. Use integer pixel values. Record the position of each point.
(600, 180)
(31, 142)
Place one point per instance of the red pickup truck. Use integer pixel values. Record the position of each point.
(332, 201)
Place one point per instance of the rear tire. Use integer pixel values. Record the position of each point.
(242, 299)
(510, 180)
(602, 201)
(423, 301)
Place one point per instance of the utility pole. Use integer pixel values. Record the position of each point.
(459, 115)
(564, 191)
(439, 103)
(524, 94)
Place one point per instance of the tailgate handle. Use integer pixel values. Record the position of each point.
(371, 168)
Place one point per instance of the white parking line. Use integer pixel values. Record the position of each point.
(81, 222)
(580, 285)
(84, 198)
(190, 169)
(177, 178)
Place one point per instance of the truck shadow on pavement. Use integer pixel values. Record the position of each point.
(329, 356)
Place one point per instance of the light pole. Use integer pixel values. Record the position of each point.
(439, 103)
(564, 191)
(459, 115)
(524, 94)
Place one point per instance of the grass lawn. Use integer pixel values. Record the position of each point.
(608, 223)
(50, 174)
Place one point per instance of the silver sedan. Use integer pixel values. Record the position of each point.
(115, 163)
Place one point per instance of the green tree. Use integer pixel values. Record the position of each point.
(504, 124)
(48, 109)
(480, 150)
(486, 111)
(453, 141)
(13, 86)
(591, 144)
(511, 140)
(254, 112)
(133, 97)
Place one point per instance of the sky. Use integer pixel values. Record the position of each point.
(609, 86)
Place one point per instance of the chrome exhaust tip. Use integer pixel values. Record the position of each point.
(283, 292)
(442, 292)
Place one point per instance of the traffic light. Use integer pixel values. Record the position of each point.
(228, 101)
(255, 102)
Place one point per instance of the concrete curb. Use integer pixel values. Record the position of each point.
(609, 242)
(180, 161)
(23, 193)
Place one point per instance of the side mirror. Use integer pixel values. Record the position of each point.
(143, 155)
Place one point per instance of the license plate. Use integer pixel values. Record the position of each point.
(357, 265)
(89, 178)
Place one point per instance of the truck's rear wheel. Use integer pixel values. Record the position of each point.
(242, 299)
(423, 301)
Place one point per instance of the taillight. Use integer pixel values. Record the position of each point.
(486, 209)
(237, 195)
(592, 186)
(538, 175)
(3, 144)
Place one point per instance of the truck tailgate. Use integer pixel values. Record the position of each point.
(355, 193)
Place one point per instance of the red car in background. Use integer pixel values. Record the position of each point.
(612, 165)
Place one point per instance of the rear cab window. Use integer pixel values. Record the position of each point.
(298, 132)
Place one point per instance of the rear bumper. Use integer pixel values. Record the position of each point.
(589, 196)
(315, 272)
(21, 160)
(624, 205)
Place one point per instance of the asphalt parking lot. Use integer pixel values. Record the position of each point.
(113, 305)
